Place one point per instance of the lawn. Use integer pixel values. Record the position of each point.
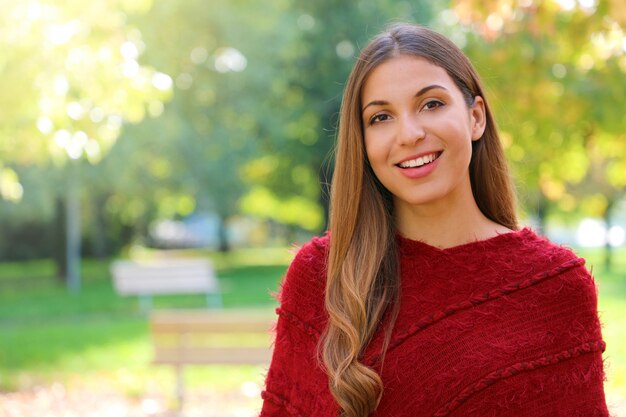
(48, 335)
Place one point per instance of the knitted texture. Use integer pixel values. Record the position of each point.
(506, 326)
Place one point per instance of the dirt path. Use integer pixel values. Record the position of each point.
(57, 401)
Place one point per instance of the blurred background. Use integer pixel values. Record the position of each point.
(134, 127)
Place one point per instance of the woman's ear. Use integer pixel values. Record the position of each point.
(478, 118)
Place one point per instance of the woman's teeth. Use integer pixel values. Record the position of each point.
(418, 162)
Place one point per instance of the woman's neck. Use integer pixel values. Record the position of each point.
(445, 224)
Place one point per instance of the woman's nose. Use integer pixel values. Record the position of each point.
(410, 130)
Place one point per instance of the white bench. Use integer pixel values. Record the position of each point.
(166, 276)
(203, 337)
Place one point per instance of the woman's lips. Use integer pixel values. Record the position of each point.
(422, 170)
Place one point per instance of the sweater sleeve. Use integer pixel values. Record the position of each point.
(295, 383)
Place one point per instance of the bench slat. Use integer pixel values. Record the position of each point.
(169, 276)
(213, 355)
(204, 322)
(187, 336)
(171, 285)
(215, 327)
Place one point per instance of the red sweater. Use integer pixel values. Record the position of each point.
(506, 326)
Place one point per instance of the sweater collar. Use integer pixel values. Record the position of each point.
(408, 246)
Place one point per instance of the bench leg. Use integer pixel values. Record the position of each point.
(214, 300)
(180, 387)
(145, 303)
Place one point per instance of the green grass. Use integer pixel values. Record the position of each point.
(49, 335)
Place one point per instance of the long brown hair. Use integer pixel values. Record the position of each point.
(362, 267)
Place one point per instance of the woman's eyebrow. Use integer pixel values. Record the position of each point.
(428, 88)
(419, 93)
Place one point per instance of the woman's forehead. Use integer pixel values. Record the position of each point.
(403, 74)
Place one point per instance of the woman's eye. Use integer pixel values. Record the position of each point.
(433, 104)
(379, 118)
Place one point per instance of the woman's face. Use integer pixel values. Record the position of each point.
(419, 131)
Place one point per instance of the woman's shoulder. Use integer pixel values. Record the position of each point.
(313, 252)
(514, 247)
(520, 259)
(304, 283)
(310, 259)
(525, 246)
(544, 261)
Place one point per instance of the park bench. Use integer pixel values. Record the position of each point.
(203, 337)
(166, 276)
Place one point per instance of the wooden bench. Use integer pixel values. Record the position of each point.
(203, 337)
(166, 276)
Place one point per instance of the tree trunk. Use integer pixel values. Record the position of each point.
(224, 244)
(73, 227)
(608, 249)
(542, 214)
(59, 240)
(99, 238)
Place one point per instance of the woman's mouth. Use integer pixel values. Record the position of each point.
(420, 161)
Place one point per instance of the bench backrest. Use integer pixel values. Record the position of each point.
(205, 337)
(167, 276)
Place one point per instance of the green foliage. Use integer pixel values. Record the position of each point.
(78, 78)
(232, 106)
(296, 210)
(554, 71)
(298, 132)
(70, 78)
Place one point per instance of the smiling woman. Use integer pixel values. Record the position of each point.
(415, 129)
(426, 298)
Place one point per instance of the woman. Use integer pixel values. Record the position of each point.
(426, 298)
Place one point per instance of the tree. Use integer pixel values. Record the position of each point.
(553, 67)
(297, 135)
(220, 76)
(70, 79)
